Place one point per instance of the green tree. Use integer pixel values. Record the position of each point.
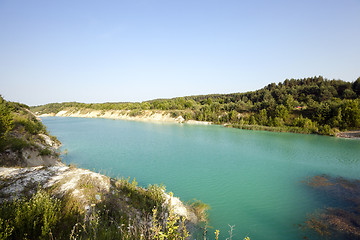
(233, 116)
(281, 112)
(349, 94)
(262, 117)
(356, 86)
(252, 120)
(350, 114)
(289, 102)
(6, 120)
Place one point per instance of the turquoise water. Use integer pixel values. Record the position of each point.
(251, 179)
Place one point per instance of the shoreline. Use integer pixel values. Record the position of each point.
(349, 134)
(158, 116)
(145, 116)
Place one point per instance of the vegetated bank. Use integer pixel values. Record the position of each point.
(310, 105)
(41, 198)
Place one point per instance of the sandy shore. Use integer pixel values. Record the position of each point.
(349, 134)
(145, 116)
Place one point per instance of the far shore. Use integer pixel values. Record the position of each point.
(150, 116)
(145, 116)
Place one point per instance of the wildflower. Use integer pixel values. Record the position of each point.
(98, 197)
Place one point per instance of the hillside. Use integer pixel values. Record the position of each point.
(24, 140)
(310, 105)
(42, 198)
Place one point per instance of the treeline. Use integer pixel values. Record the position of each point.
(309, 105)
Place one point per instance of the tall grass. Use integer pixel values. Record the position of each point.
(35, 218)
(45, 217)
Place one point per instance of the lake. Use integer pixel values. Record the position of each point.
(251, 179)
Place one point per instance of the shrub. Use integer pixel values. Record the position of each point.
(45, 152)
(32, 219)
(200, 209)
(145, 199)
(326, 130)
(32, 126)
(17, 144)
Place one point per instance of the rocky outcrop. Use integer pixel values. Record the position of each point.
(42, 151)
(349, 134)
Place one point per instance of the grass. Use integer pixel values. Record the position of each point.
(140, 198)
(35, 218)
(271, 129)
(45, 152)
(200, 209)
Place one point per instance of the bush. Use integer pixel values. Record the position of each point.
(32, 126)
(45, 152)
(326, 130)
(145, 199)
(17, 144)
(200, 209)
(32, 219)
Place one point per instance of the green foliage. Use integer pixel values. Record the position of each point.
(5, 229)
(350, 114)
(262, 117)
(200, 209)
(45, 152)
(306, 124)
(32, 219)
(17, 144)
(33, 126)
(141, 198)
(281, 112)
(356, 86)
(19, 128)
(334, 103)
(6, 122)
(172, 228)
(326, 130)
(135, 112)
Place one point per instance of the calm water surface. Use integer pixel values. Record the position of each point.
(251, 179)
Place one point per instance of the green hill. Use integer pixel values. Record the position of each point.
(309, 105)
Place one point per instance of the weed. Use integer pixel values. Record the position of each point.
(32, 219)
(200, 209)
(45, 152)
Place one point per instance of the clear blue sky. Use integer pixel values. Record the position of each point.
(136, 50)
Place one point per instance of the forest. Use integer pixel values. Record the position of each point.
(309, 105)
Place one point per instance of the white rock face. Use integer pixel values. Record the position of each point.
(33, 158)
(67, 180)
(179, 208)
(146, 115)
(48, 140)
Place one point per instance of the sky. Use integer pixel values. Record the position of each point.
(137, 50)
